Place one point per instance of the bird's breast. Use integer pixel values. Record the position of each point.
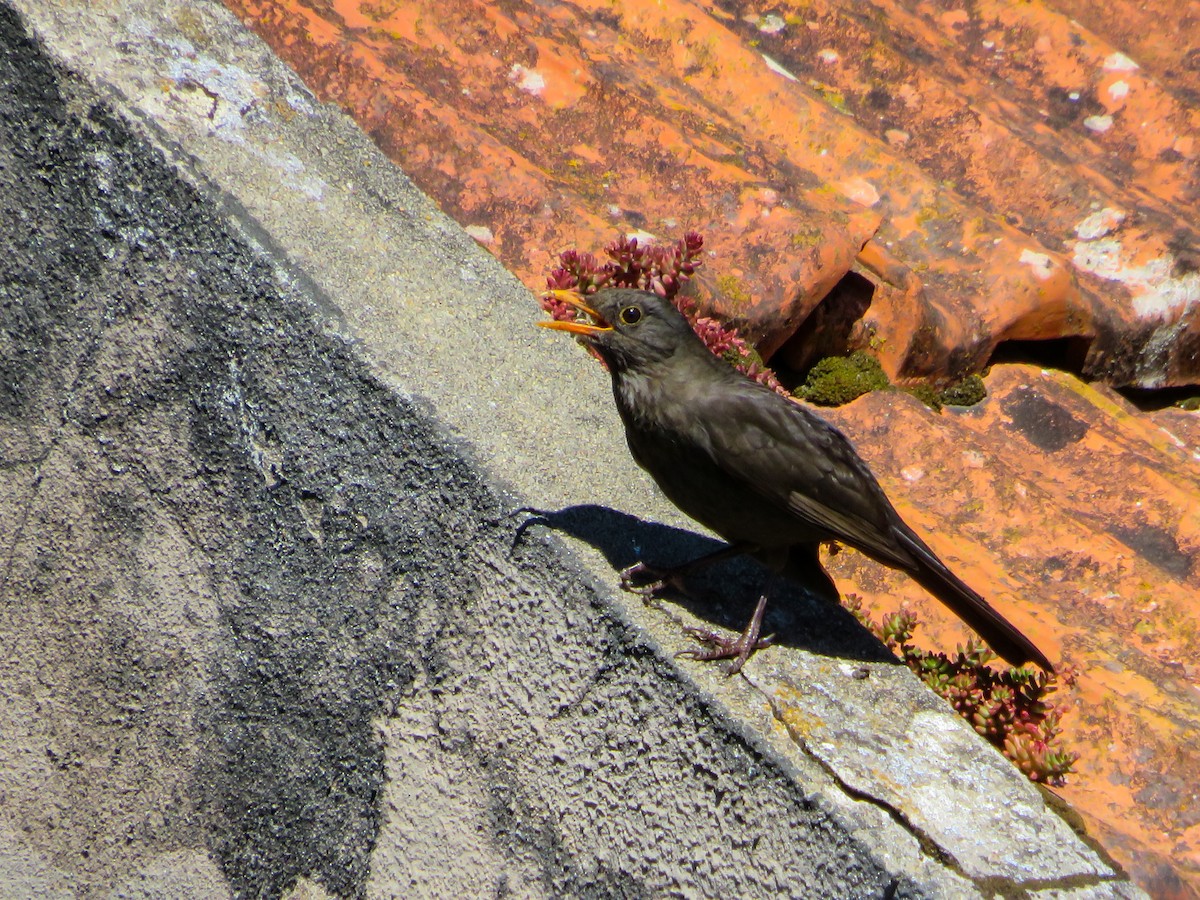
(671, 446)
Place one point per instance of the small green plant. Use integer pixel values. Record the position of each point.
(966, 392)
(836, 380)
(928, 395)
(1007, 707)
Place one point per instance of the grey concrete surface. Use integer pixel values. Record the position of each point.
(269, 624)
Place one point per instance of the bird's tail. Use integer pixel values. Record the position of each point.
(999, 634)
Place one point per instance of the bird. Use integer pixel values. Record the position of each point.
(766, 473)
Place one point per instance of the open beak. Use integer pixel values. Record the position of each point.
(575, 299)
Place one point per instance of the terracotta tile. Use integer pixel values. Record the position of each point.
(788, 141)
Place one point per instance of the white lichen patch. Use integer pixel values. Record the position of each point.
(1043, 266)
(771, 24)
(1158, 293)
(642, 237)
(1119, 62)
(228, 102)
(860, 191)
(529, 80)
(973, 459)
(1154, 357)
(1099, 224)
(207, 88)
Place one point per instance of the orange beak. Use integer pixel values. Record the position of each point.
(575, 299)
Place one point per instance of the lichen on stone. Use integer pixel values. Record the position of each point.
(733, 290)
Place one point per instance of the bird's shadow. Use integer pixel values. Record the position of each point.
(724, 593)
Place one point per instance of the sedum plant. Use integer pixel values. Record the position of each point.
(1007, 707)
(663, 269)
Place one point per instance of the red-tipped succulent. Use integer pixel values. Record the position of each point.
(1008, 707)
(663, 269)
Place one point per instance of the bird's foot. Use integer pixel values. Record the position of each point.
(719, 646)
(673, 577)
(659, 580)
(737, 649)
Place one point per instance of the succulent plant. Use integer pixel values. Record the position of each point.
(663, 269)
(1007, 707)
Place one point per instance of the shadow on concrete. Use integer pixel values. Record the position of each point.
(800, 613)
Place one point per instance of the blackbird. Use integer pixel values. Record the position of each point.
(767, 474)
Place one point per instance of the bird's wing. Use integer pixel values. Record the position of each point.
(801, 463)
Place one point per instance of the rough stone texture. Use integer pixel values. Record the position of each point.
(268, 628)
(240, 573)
(900, 769)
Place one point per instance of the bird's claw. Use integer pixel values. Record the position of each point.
(721, 647)
(660, 580)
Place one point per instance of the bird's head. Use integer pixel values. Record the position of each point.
(629, 328)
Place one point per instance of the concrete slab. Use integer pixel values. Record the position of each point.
(269, 621)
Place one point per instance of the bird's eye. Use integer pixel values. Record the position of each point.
(631, 315)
